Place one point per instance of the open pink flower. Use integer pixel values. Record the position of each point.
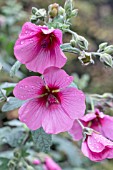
(39, 47)
(51, 165)
(97, 148)
(52, 104)
(97, 121)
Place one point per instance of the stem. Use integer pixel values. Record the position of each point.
(80, 123)
(95, 54)
(70, 31)
(92, 105)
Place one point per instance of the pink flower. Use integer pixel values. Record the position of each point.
(51, 165)
(51, 104)
(36, 162)
(97, 148)
(39, 47)
(97, 121)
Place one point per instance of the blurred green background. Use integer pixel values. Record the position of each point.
(95, 23)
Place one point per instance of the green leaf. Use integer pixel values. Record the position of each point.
(4, 163)
(13, 123)
(13, 137)
(8, 87)
(43, 139)
(3, 133)
(15, 68)
(107, 59)
(2, 95)
(72, 153)
(11, 104)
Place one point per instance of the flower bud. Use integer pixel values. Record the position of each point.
(68, 5)
(68, 8)
(33, 18)
(102, 46)
(86, 58)
(82, 42)
(109, 49)
(61, 11)
(41, 13)
(34, 10)
(17, 153)
(73, 43)
(38, 14)
(53, 10)
(74, 12)
(107, 59)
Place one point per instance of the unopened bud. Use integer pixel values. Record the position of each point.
(86, 58)
(102, 46)
(82, 42)
(17, 153)
(74, 12)
(34, 10)
(61, 11)
(68, 8)
(68, 5)
(11, 164)
(53, 10)
(73, 43)
(107, 59)
(38, 14)
(109, 49)
(33, 18)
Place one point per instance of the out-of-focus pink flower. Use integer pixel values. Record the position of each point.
(51, 104)
(39, 47)
(51, 165)
(36, 162)
(97, 121)
(97, 148)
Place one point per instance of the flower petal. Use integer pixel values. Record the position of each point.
(26, 50)
(56, 120)
(51, 165)
(97, 143)
(73, 102)
(88, 117)
(94, 143)
(76, 131)
(110, 156)
(45, 30)
(28, 30)
(28, 88)
(58, 35)
(52, 57)
(32, 113)
(92, 155)
(26, 47)
(55, 77)
(107, 126)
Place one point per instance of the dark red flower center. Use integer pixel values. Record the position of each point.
(51, 95)
(47, 40)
